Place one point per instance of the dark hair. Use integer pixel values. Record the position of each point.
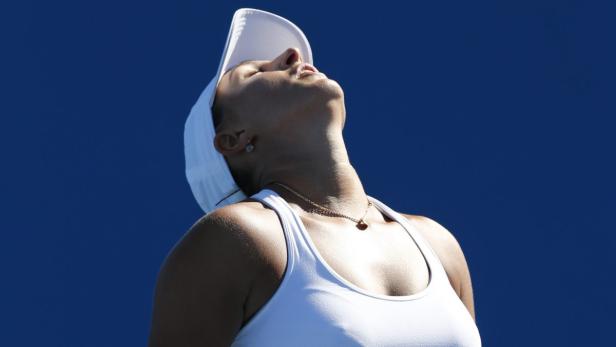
(222, 115)
(240, 176)
(217, 115)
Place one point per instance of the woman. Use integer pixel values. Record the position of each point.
(306, 258)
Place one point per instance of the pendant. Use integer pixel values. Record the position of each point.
(361, 225)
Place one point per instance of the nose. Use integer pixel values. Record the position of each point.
(288, 58)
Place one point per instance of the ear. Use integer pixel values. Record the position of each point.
(230, 142)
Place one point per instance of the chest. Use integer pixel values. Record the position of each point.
(384, 261)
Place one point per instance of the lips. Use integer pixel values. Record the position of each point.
(304, 67)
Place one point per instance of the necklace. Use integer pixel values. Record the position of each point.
(361, 224)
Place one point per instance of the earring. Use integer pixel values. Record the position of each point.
(249, 147)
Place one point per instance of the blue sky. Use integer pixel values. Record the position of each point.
(494, 118)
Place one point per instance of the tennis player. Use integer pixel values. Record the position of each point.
(291, 250)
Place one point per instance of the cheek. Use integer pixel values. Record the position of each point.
(270, 94)
(270, 84)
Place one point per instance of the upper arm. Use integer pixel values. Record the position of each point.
(202, 286)
(452, 257)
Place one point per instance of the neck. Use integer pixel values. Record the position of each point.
(338, 188)
(322, 174)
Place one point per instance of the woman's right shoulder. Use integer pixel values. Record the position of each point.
(244, 217)
(219, 257)
(233, 235)
(244, 228)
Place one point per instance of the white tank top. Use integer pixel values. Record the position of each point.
(315, 306)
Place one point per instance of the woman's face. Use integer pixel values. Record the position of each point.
(268, 96)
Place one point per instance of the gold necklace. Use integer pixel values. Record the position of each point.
(361, 224)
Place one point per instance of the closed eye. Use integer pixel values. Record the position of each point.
(257, 68)
(254, 72)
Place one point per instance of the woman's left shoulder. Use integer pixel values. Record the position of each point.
(439, 237)
(450, 253)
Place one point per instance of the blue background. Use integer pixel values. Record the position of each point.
(493, 118)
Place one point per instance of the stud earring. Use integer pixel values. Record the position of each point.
(249, 147)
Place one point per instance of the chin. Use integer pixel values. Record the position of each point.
(327, 86)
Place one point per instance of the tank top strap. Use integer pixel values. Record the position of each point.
(300, 250)
(297, 247)
(430, 255)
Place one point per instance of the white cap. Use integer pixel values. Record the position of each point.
(254, 35)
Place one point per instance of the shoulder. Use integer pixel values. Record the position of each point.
(205, 279)
(229, 235)
(218, 245)
(450, 253)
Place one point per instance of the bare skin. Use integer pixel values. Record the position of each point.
(295, 125)
(385, 246)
